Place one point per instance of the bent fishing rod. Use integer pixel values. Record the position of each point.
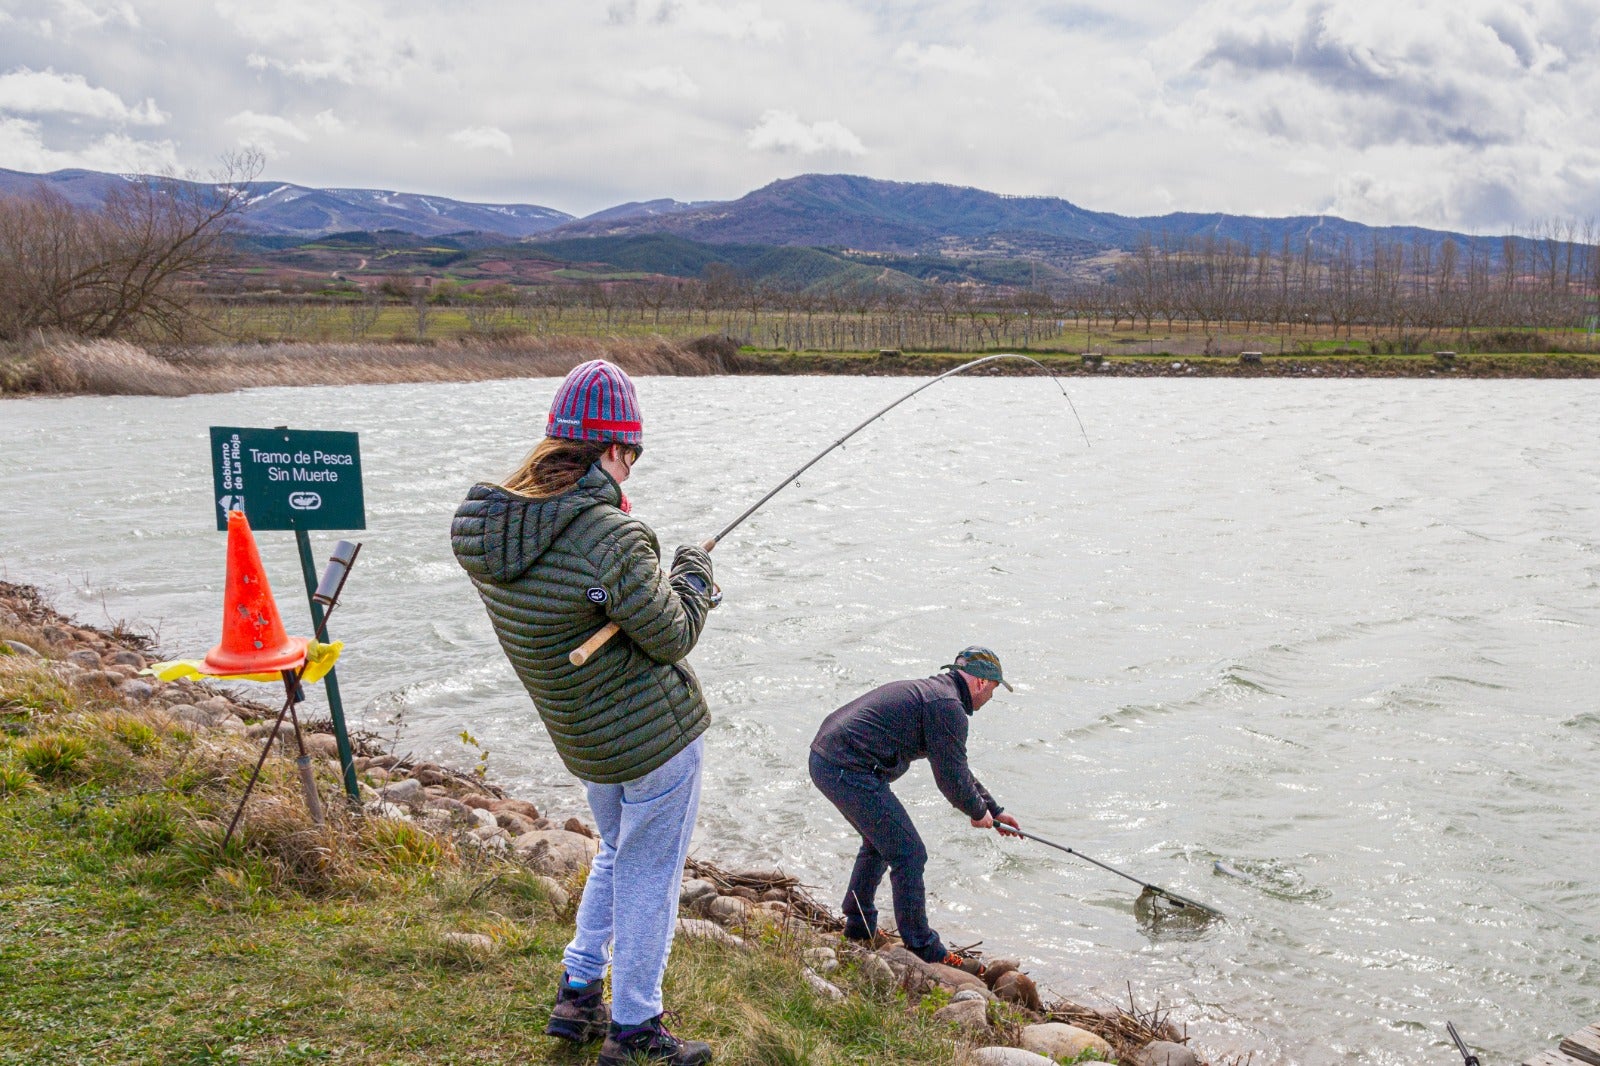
(581, 654)
(1156, 890)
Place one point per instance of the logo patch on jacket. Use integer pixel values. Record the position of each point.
(595, 594)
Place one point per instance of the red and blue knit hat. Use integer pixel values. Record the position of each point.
(596, 402)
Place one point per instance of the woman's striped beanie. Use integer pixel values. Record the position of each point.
(596, 402)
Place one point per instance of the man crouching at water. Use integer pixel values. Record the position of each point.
(872, 741)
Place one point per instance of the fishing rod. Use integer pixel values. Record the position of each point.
(581, 654)
(1156, 890)
(1467, 1057)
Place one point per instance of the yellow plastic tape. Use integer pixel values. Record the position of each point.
(319, 660)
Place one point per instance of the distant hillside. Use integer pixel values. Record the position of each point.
(277, 208)
(860, 219)
(844, 211)
(645, 209)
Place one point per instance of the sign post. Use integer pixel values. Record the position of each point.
(301, 480)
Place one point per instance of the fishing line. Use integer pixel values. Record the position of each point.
(581, 654)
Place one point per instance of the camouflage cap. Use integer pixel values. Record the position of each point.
(979, 662)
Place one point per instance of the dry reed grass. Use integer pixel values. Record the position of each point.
(67, 366)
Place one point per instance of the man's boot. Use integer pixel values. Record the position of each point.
(580, 1014)
(650, 1042)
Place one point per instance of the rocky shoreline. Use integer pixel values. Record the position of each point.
(990, 1003)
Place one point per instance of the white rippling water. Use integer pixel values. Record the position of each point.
(1339, 635)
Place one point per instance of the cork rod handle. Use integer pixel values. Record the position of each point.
(583, 652)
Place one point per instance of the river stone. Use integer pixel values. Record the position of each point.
(555, 851)
(728, 909)
(84, 658)
(998, 969)
(484, 817)
(135, 690)
(9, 617)
(696, 892)
(16, 647)
(1009, 1056)
(952, 978)
(322, 745)
(515, 806)
(1058, 1040)
(188, 712)
(823, 987)
(970, 1014)
(406, 791)
(699, 927)
(228, 724)
(390, 811)
(1017, 987)
(476, 942)
(126, 657)
(219, 705)
(377, 775)
(877, 972)
(575, 825)
(558, 897)
(455, 808)
(823, 960)
(1163, 1053)
(972, 994)
(514, 823)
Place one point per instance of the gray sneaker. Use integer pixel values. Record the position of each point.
(650, 1042)
(580, 1014)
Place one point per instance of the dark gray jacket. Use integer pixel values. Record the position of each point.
(551, 572)
(887, 729)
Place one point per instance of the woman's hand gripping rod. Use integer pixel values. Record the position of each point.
(581, 654)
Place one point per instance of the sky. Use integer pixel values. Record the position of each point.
(1473, 115)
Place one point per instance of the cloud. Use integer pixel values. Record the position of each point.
(1422, 74)
(484, 138)
(942, 58)
(737, 22)
(783, 131)
(22, 146)
(263, 132)
(328, 122)
(666, 81)
(44, 92)
(79, 15)
(354, 42)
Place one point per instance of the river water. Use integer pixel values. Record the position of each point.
(1341, 636)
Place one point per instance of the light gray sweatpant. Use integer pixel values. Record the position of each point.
(630, 902)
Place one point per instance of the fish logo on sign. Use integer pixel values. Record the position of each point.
(231, 503)
(305, 501)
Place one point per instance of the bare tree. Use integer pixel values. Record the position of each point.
(123, 268)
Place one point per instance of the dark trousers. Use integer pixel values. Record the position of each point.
(888, 842)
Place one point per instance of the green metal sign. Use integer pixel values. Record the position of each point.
(287, 478)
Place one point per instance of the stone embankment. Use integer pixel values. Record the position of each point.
(992, 1004)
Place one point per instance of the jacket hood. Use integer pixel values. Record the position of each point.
(516, 530)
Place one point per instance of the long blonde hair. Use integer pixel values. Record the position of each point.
(554, 466)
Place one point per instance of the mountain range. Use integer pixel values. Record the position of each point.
(848, 214)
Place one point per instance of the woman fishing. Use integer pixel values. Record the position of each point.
(555, 555)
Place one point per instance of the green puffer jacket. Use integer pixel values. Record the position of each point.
(552, 572)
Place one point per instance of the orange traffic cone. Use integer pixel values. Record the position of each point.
(253, 640)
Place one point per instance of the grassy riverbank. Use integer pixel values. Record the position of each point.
(62, 366)
(427, 926)
(127, 935)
